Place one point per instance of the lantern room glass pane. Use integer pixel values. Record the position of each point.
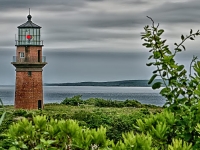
(29, 36)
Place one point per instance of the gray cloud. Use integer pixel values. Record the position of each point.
(186, 12)
(90, 32)
(24, 4)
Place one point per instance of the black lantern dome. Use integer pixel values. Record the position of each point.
(29, 33)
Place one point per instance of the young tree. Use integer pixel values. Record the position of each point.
(181, 89)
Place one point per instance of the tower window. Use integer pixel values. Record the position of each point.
(21, 54)
(29, 73)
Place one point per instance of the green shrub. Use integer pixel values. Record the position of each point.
(145, 111)
(132, 103)
(53, 134)
(99, 102)
(181, 90)
(45, 134)
(74, 101)
(90, 101)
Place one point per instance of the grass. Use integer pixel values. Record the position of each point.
(71, 110)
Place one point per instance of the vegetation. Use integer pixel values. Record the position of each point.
(3, 112)
(99, 102)
(182, 90)
(116, 120)
(177, 127)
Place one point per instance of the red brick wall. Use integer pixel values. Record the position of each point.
(20, 49)
(28, 90)
(29, 51)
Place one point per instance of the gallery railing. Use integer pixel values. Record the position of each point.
(29, 59)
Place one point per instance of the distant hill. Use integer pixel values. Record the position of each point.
(124, 83)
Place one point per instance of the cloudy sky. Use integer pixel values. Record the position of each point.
(95, 40)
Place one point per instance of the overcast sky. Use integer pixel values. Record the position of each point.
(95, 40)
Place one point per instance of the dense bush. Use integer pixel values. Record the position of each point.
(74, 101)
(115, 124)
(99, 102)
(53, 134)
(45, 134)
(108, 103)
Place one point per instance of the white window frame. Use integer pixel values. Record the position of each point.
(21, 54)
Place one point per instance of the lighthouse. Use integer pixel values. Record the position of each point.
(29, 63)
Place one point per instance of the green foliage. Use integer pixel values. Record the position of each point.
(134, 142)
(179, 145)
(74, 101)
(53, 134)
(116, 124)
(108, 103)
(181, 90)
(3, 114)
(99, 102)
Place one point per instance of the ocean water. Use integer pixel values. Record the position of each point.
(55, 94)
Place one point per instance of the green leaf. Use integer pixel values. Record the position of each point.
(197, 92)
(176, 44)
(164, 74)
(145, 44)
(13, 148)
(150, 50)
(2, 118)
(155, 71)
(183, 47)
(182, 37)
(198, 64)
(156, 85)
(180, 67)
(150, 57)
(152, 78)
(50, 142)
(178, 49)
(165, 91)
(24, 146)
(164, 41)
(160, 32)
(149, 64)
(167, 58)
(157, 55)
(191, 31)
(183, 72)
(191, 38)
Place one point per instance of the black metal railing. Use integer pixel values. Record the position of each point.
(29, 59)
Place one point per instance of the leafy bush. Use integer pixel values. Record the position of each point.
(74, 101)
(181, 90)
(132, 103)
(108, 103)
(99, 102)
(53, 134)
(45, 134)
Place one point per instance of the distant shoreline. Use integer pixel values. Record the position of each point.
(123, 83)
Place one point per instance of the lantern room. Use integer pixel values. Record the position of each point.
(29, 34)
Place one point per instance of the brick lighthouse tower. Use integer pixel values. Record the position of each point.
(29, 63)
